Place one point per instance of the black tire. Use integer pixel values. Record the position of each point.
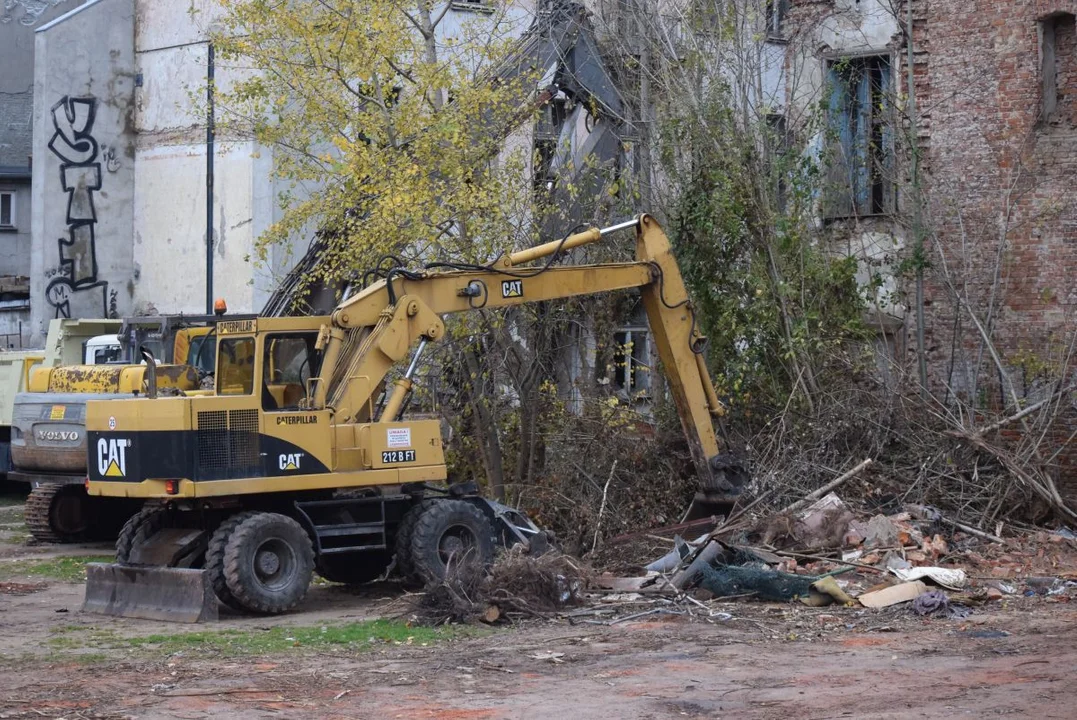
(268, 563)
(140, 528)
(405, 568)
(214, 563)
(450, 536)
(59, 513)
(353, 568)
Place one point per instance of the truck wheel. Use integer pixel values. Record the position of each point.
(451, 536)
(58, 513)
(268, 563)
(353, 568)
(141, 527)
(214, 564)
(405, 568)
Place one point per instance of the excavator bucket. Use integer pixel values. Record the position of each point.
(152, 593)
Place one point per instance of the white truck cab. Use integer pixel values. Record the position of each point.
(102, 349)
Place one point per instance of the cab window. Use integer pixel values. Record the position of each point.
(107, 354)
(289, 361)
(235, 366)
(202, 352)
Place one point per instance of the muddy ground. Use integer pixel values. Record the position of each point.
(1013, 657)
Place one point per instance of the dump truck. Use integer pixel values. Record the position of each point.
(305, 461)
(48, 436)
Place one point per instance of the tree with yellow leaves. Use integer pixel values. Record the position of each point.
(404, 119)
(395, 116)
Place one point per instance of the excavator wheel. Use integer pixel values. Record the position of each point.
(138, 529)
(268, 563)
(449, 537)
(405, 568)
(215, 558)
(353, 568)
(58, 513)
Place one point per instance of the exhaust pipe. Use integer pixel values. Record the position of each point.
(151, 373)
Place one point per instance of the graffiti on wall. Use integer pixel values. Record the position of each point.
(31, 10)
(76, 291)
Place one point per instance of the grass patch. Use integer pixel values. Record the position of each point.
(79, 658)
(354, 636)
(76, 637)
(65, 569)
(357, 636)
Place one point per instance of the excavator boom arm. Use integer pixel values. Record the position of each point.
(412, 302)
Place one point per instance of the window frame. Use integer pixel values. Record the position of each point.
(630, 365)
(1047, 29)
(224, 341)
(13, 194)
(775, 13)
(268, 339)
(853, 201)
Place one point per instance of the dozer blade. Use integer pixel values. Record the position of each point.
(153, 593)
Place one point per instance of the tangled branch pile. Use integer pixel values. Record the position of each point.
(979, 467)
(608, 471)
(516, 584)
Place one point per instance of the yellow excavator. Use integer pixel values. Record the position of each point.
(304, 460)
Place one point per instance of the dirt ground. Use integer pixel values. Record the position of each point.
(1012, 657)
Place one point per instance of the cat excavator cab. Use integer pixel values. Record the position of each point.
(304, 460)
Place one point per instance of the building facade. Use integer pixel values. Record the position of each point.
(18, 20)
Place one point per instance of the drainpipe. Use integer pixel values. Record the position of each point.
(209, 179)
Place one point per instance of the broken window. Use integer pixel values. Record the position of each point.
(776, 10)
(1058, 52)
(860, 142)
(632, 369)
(7, 209)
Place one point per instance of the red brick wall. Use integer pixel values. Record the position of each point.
(1001, 189)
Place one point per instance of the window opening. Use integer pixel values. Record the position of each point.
(7, 209)
(861, 137)
(778, 146)
(632, 370)
(776, 11)
(1058, 51)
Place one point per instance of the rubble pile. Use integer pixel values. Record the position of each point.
(827, 553)
(817, 552)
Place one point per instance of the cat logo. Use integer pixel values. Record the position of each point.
(112, 457)
(512, 288)
(290, 461)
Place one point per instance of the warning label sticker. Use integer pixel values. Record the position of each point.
(398, 437)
